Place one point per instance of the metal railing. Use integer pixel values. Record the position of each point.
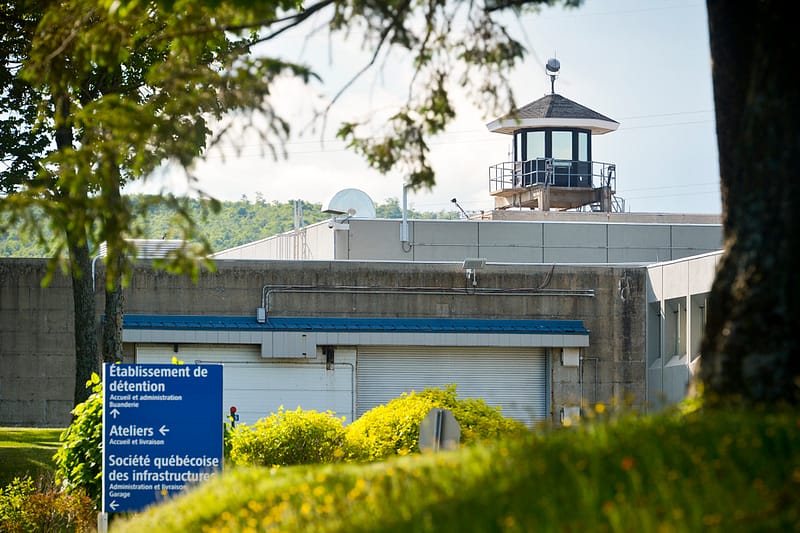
(511, 175)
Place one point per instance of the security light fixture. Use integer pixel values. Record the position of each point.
(455, 201)
(471, 265)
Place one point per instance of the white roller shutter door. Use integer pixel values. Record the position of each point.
(513, 378)
(257, 387)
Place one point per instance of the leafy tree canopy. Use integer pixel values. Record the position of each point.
(104, 92)
(97, 93)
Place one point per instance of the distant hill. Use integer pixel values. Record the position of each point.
(235, 224)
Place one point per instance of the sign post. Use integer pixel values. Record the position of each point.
(162, 431)
(439, 430)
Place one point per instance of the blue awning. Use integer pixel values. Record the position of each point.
(359, 324)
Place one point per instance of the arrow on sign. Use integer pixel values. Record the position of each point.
(113, 505)
(163, 429)
(114, 413)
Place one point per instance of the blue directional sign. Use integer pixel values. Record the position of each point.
(162, 431)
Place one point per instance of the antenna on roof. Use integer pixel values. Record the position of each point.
(552, 67)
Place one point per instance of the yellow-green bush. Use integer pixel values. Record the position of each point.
(704, 471)
(25, 508)
(393, 429)
(289, 438)
(79, 461)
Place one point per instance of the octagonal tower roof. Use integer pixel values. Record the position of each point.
(553, 111)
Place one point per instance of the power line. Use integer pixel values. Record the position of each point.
(584, 13)
(694, 193)
(676, 186)
(692, 123)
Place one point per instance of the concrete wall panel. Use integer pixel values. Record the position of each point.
(676, 279)
(369, 239)
(691, 240)
(554, 236)
(701, 273)
(529, 235)
(575, 235)
(639, 236)
(36, 382)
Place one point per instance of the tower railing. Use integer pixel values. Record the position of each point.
(511, 175)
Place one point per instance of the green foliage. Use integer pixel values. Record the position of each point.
(458, 42)
(87, 112)
(310, 437)
(147, 83)
(24, 508)
(390, 429)
(79, 461)
(703, 471)
(478, 421)
(227, 438)
(143, 84)
(393, 429)
(289, 438)
(13, 501)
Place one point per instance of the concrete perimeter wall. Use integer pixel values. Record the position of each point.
(36, 327)
(37, 345)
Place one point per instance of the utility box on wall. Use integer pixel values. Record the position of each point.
(292, 344)
(570, 356)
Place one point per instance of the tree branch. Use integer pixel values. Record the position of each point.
(378, 49)
(293, 20)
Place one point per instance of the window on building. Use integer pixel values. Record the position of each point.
(583, 146)
(699, 303)
(562, 145)
(534, 145)
(677, 325)
(654, 349)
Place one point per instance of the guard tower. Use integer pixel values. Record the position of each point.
(552, 166)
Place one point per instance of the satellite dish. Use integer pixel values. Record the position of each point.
(354, 203)
(553, 65)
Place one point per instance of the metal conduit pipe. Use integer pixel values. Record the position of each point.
(268, 290)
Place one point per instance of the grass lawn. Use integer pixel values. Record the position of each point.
(27, 451)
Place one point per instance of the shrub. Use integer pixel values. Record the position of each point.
(478, 420)
(79, 460)
(24, 508)
(393, 428)
(289, 438)
(711, 471)
(12, 504)
(389, 429)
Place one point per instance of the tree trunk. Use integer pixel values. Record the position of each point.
(87, 358)
(115, 227)
(750, 346)
(112, 323)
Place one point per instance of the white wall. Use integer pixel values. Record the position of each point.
(258, 387)
(676, 306)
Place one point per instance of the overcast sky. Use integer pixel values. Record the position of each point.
(644, 64)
